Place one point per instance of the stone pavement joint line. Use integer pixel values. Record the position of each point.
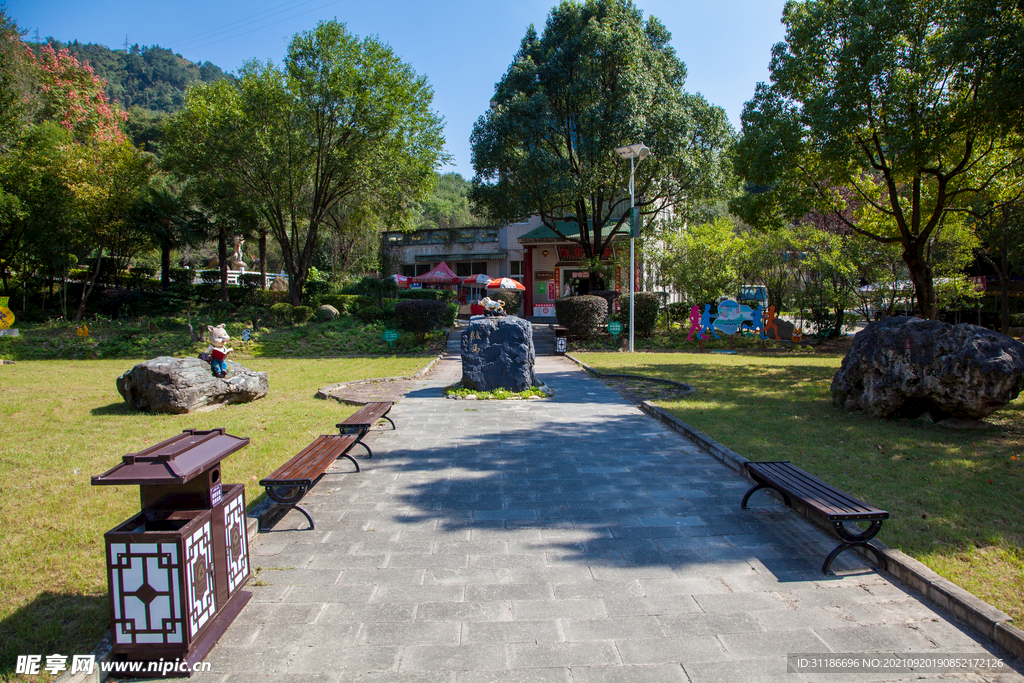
(574, 540)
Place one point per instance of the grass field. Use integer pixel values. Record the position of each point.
(956, 496)
(63, 421)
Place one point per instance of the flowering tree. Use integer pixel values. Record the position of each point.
(70, 93)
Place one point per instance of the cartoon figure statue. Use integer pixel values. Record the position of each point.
(705, 323)
(6, 315)
(756, 321)
(769, 324)
(218, 350)
(694, 321)
(82, 331)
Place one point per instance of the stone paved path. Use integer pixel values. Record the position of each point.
(572, 540)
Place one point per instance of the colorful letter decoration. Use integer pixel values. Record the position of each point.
(6, 315)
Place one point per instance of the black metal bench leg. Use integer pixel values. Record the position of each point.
(369, 453)
(855, 541)
(743, 503)
(346, 455)
(385, 417)
(290, 502)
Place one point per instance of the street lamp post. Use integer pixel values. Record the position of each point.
(635, 153)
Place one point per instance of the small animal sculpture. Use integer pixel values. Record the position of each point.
(492, 307)
(218, 350)
(83, 331)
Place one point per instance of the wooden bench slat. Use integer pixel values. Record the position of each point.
(311, 461)
(828, 500)
(369, 413)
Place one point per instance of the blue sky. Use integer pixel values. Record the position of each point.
(463, 46)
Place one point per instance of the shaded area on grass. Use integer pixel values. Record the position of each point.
(956, 497)
(51, 623)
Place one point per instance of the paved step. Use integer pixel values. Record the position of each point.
(543, 338)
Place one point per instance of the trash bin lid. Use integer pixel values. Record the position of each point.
(174, 461)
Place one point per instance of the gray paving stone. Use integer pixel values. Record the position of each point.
(525, 656)
(566, 541)
(470, 657)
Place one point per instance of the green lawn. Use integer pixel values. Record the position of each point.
(63, 421)
(956, 497)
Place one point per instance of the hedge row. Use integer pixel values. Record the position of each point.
(583, 316)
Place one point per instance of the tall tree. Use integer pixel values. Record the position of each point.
(598, 78)
(345, 122)
(873, 118)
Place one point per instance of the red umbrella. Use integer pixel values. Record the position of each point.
(400, 280)
(477, 280)
(505, 283)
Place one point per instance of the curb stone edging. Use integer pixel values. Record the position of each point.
(989, 622)
(687, 388)
(325, 392)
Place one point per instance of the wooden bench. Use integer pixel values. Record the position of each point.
(359, 422)
(822, 499)
(291, 481)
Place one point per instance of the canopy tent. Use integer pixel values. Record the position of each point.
(441, 274)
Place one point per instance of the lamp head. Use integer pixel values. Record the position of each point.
(639, 151)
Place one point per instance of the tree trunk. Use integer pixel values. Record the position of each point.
(165, 266)
(263, 259)
(87, 290)
(837, 331)
(1004, 285)
(921, 276)
(222, 254)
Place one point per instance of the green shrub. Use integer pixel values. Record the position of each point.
(210, 277)
(512, 298)
(1017, 320)
(182, 276)
(648, 305)
(445, 295)
(251, 280)
(582, 316)
(369, 314)
(452, 314)
(282, 312)
(420, 316)
(268, 298)
(609, 295)
(315, 290)
(302, 314)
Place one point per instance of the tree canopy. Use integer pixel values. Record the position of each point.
(875, 116)
(149, 77)
(344, 124)
(599, 77)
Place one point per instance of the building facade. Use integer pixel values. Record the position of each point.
(546, 264)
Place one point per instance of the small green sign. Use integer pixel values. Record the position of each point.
(390, 336)
(614, 329)
(542, 288)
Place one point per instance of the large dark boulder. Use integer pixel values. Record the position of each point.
(185, 385)
(497, 353)
(905, 367)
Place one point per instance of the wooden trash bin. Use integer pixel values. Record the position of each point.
(176, 569)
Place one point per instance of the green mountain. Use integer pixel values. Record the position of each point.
(152, 78)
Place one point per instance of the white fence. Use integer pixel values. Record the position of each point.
(234, 277)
